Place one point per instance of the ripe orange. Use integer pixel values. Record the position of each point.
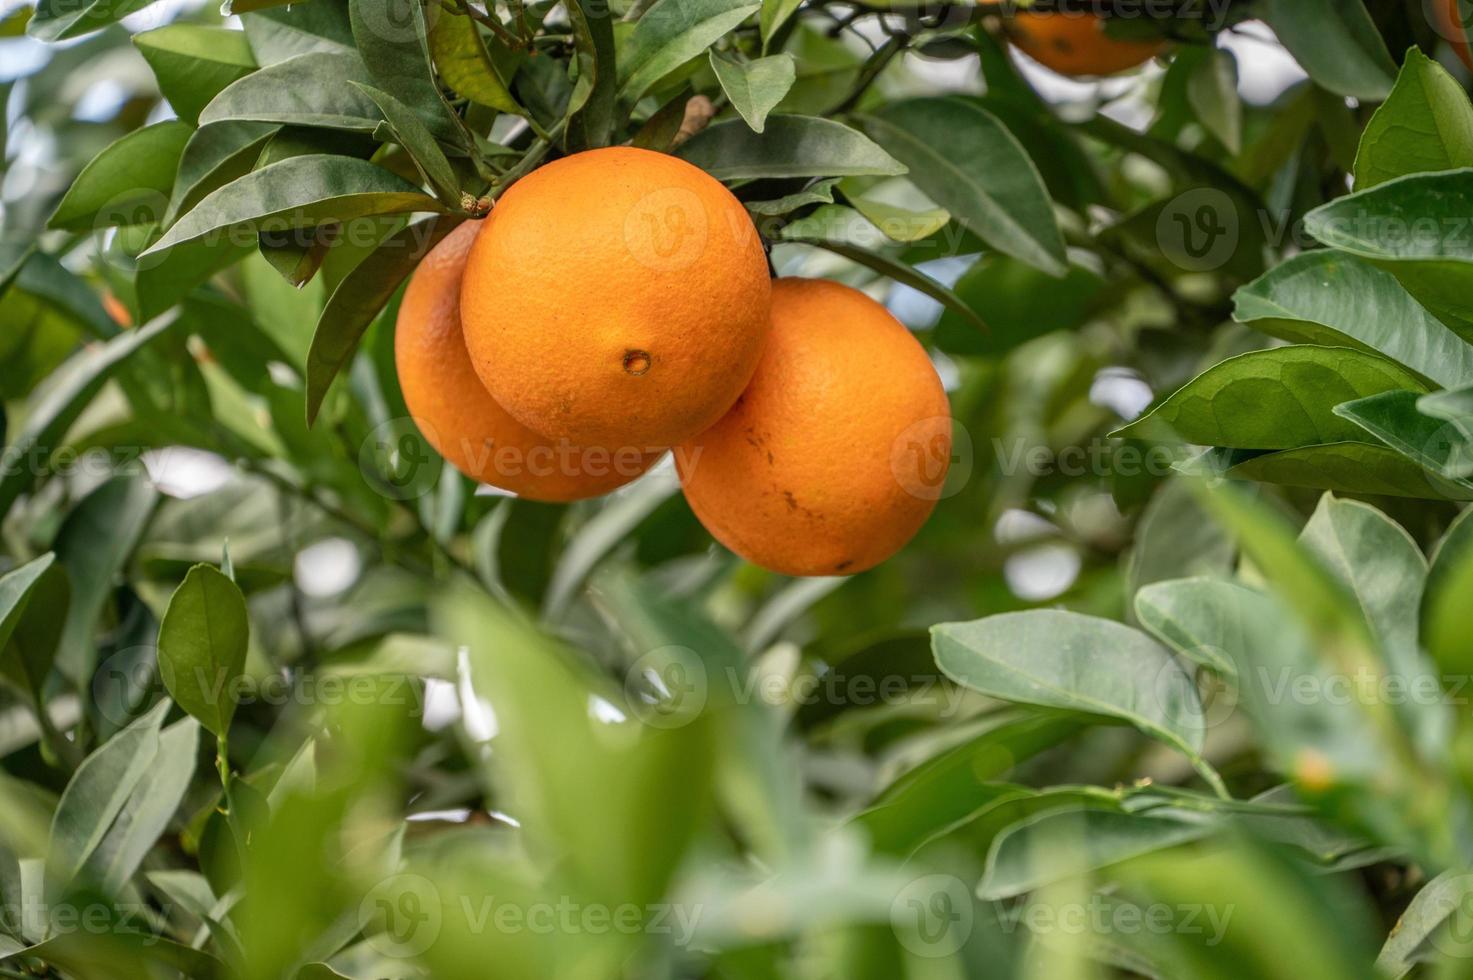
(1453, 25)
(460, 418)
(620, 298)
(1076, 44)
(835, 454)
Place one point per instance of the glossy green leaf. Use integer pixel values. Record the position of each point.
(1417, 229)
(1394, 419)
(194, 63)
(1280, 398)
(775, 13)
(308, 90)
(98, 790)
(966, 161)
(1343, 467)
(1426, 124)
(359, 298)
(202, 646)
(461, 59)
(34, 599)
(754, 87)
(1334, 299)
(670, 33)
(392, 38)
(125, 183)
(592, 105)
(214, 156)
(1337, 42)
(300, 192)
(788, 146)
(416, 139)
(286, 31)
(94, 544)
(1062, 660)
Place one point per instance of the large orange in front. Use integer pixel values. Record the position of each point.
(1076, 44)
(460, 418)
(836, 453)
(620, 298)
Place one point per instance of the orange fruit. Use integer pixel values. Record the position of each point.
(620, 298)
(460, 418)
(1453, 25)
(1076, 44)
(835, 454)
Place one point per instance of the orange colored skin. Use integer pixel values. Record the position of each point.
(835, 455)
(117, 310)
(620, 298)
(1453, 28)
(461, 420)
(1077, 45)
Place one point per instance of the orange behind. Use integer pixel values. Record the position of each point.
(460, 418)
(1077, 45)
(835, 455)
(1455, 29)
(620, 298)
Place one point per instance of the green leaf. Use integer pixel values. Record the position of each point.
(1337, 43)
(289, 30)
(906, 275)
(97, 792)
(461, 58)
(1176, 538)
(1454, 406)
(49, 419)
(149, 808)
(968, 162)
(93, 545)
(125, 183)
(818, 192)
(1444, 611)
(412, 134)
(35, 608)
(16, 587)
(1018, 302)
(299, 192)
(774, 14)
(392, 39)
(1417, 229)
(1333, 299)
(1280, 398)
(1212, 92)
(1344, 467)
(214, 156)
(788, 146)
(591, 107)
(1425, 125)
(1066, 661)
(755, 87)
(1435, 904)
(359, 298)
(202, 646)
(1376, 561)
(194, 63)
(1436, 444)
(1181, 614)
(58, 20)
(308, 90)
(670, 33)
(900, 224)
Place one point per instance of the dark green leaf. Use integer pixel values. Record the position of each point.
(58, 20)
(1425, 125)
(1337, 43)
(308, 90)
(1444, 612)
(1392, 417)
(194, 62)
(670, 33)
(202, 646)
(33, 623)
(1333, 299)
(1018, 302)
(392, 38)
(214, 156)
(411, 134)
(286, 31)
(359, 298)
(789, 146)
(591, 119)
(300, 192)
(127, 182)
(1279, 398)
(966, 161)
(1343, 467)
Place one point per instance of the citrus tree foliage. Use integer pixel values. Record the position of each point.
(1173, 684)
